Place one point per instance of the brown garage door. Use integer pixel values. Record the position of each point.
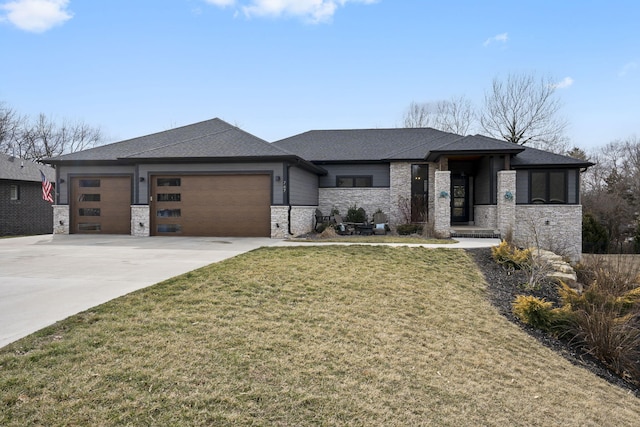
(101, 205)
(211, 205)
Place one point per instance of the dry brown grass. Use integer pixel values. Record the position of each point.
(353, 335)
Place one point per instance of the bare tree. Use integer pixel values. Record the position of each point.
(43, 137)
(524, 110)
(419, 115)
(455, 115)
(10, 127)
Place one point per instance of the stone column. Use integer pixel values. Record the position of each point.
(279, 222)
(442, 211)
(140, 221)
(506, 201)
(60, 219)
(399, 191)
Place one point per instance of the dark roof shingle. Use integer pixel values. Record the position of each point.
(210, 139)
(16, 169)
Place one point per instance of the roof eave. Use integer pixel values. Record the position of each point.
(433, 156)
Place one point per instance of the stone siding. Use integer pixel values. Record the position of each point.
(60, 219)
(279, 222)
(442, 211)
(140, 221)
(400, 190)
(506, 214)
(303, 219)
(485, 216)
(370, 199)
(557, 228)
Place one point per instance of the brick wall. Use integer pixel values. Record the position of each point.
(27, 215)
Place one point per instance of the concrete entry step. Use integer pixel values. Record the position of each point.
(474, 232)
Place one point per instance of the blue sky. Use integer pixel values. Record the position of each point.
(280, 67)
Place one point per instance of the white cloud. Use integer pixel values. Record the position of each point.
(564, 83)
(628, 68)
(310, 10)
(36, 16)
(501, 38)
(221, 3)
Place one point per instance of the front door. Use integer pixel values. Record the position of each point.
(459, 199)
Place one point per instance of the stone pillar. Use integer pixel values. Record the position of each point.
(60, 219)
(506, 201)
(140, 221)
(399, 192)
(442, 211)
(279, 222)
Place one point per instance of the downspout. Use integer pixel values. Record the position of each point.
(285, 189)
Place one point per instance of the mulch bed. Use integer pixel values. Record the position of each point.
(505, 285)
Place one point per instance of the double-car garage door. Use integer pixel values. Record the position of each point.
(180, 205)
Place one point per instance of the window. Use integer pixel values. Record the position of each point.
(419, 192)
(15, 192)
(548, 187)
(354, 181)
(89, 183)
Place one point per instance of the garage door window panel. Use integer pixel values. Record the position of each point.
(89, 183)
(169, 197)
(168, 182)
(89, 198)
(169, 228)
(89, 227)
(89, 211)
(168, 213)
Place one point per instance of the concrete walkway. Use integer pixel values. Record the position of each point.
(44, 279)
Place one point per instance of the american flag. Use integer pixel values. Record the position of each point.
(46, 189)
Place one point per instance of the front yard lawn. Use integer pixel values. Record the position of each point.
(332, 335)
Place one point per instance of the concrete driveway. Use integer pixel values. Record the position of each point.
(44, 279)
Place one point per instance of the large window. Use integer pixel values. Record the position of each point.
(354, 181)
(419, 193)
(548, 187)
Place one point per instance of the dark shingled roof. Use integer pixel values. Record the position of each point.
(15, 169)
(533, 157)
(364, 144)
(357, 145)
(211, 139)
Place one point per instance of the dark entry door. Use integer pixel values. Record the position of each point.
(459, 198)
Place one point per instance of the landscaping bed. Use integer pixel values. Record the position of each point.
(503, 287)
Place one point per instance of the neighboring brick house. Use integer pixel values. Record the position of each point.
(22, 210)
(213, 179)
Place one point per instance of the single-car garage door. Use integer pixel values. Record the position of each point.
(101, 205)
(211, 205)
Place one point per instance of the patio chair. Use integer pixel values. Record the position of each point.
(321, 219)
(341, 226)
(379, 223)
